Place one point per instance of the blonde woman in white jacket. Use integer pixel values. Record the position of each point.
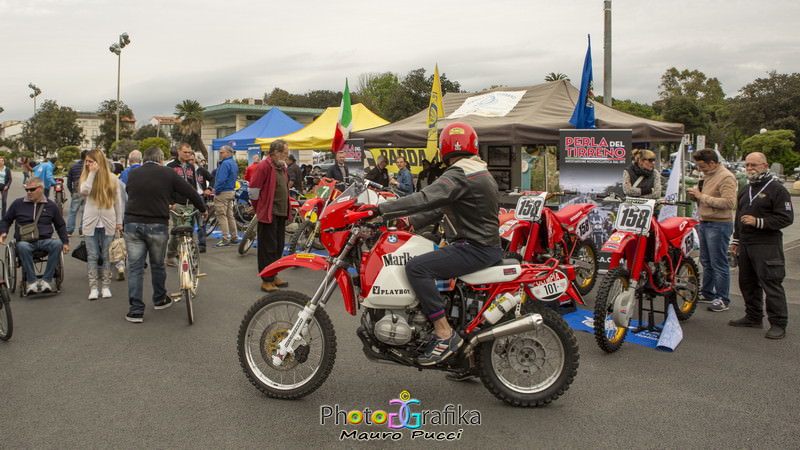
(102, 217)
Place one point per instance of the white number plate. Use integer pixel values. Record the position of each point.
(530, 207)
(634, 216)
(550, 288)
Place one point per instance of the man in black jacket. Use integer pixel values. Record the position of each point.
(467, 195)
(77, 201)
(24, 211)
(150, 189)
(379, 174)
(764, 208)
(183, 165)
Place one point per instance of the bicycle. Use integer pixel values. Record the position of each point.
(189, 261)
(6, 319)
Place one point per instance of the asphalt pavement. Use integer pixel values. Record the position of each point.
(77, 375)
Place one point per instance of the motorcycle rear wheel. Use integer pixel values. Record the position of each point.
(686, 289)
(263, 327)
(534, 368)
(585, 278)
(608, 336)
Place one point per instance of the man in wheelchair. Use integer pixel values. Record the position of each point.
(35, 208)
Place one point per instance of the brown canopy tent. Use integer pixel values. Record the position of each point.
(536, 119)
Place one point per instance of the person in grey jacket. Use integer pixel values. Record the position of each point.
(466, 195)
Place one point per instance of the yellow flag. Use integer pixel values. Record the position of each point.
(435, 112)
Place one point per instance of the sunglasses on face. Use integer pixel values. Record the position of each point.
(649, 159)
(32, 189)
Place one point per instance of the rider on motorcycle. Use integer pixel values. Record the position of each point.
(466, 195)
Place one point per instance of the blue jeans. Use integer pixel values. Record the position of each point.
(97, 246)
(75, 205)
(142, 239)
(715, 239)
(4, 193)
(25, 252)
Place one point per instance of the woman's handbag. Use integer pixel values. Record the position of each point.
(80, 252)
(117, 252)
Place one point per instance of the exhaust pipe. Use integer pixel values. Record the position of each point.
(522, 324)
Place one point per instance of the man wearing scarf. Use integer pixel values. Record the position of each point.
(764, 208)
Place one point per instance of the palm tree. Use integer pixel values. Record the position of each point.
(191, 114)
(552, 76)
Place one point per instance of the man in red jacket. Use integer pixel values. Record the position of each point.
(269, 193)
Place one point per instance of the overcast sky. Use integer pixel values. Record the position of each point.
(216, 50)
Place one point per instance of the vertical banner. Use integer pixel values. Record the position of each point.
(354, 156)
(592, 162)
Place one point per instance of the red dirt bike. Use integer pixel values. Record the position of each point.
(525, 354)
(648, 259)
(250, 233)
(59, 195)
(307, 235)
(537, 233)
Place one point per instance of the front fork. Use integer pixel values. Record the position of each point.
(625, 303)
(295, 338)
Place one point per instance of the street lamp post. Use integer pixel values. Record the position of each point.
(33, 95)
(116, 48)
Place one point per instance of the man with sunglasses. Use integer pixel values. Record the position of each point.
(23, 211)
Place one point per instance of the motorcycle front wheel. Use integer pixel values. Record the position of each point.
(586, 268)
(686, 289)
(249, 237)
(609, 337)
(263, 328)
(534, 368)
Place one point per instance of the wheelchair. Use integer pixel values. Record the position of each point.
(13, 263)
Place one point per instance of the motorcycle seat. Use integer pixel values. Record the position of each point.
(183, 229)
(569, 214)
(675, 227)
(508, 270)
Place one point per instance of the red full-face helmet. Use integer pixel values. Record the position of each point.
(458, 139)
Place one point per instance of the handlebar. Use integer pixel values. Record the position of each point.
(184, 213)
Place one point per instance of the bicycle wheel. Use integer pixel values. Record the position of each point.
(211, 225)
(186, 295)
(11, 268)
(6, 320)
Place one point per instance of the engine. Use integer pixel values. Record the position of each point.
(398, 327)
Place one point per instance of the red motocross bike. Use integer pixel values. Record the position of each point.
(648, 259)
(525, 354)
(537, 233)
(307, 235)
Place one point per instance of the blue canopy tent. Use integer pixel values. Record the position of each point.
(273, 124)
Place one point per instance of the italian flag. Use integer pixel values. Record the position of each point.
(345, 122)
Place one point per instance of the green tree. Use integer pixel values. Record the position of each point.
(376, 91)
(108, 128)
(552, 76)
(155, 141)
(772, 103)
(51, 128)
(776, 145)
(631, 107)
(121, 148)
(414, 93)
(145, 132)
(191, 114)
(68, 154)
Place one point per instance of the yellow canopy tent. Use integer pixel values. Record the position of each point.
(319, 133)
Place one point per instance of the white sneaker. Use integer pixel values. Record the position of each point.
(32, 288)
(105, 292)
(44, 286)
(93, 294)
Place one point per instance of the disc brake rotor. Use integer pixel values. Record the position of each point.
(270, 339)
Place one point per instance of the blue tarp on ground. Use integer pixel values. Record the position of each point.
(273, 124)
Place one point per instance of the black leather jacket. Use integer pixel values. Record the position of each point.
(466, 194)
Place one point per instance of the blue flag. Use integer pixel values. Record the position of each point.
(583, 116)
